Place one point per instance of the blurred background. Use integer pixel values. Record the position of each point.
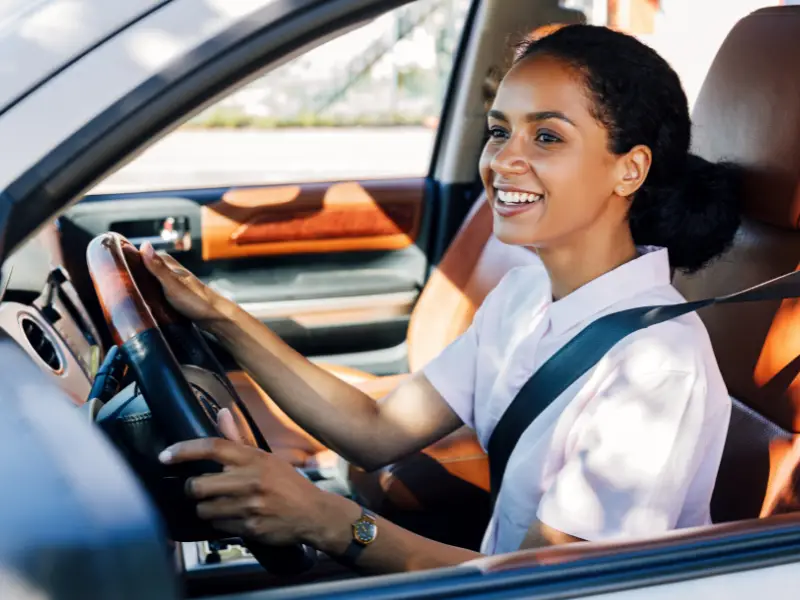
(382, 85)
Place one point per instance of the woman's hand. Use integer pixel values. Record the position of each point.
(258, 496)
(185, 292)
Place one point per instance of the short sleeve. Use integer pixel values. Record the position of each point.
(453, 372)
(632, 456)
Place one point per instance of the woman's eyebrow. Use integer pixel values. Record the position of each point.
(548, 114)
(534, 116)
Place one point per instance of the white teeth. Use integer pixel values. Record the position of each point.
(517, 197)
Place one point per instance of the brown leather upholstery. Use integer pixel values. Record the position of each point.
(748, 111)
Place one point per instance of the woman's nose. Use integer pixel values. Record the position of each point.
(508, 160)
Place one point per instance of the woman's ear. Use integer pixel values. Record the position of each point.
(633, 167)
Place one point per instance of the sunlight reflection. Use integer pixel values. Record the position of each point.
(236, 8)
(153, 49)
(649, 360)
(58, 25)
(782, 344)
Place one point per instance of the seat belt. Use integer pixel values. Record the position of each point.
(586, 349)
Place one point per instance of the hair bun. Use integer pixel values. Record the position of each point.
(695, 216)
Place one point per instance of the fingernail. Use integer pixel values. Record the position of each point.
(165, 456)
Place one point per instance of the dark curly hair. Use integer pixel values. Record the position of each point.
(686, 204)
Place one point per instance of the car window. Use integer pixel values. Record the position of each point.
(365, 105)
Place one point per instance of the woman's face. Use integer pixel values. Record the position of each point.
(546, 168)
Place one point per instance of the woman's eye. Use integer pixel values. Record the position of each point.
(544, 137)
(498, 133)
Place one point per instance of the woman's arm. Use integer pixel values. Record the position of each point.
(367, 433)
(397, 550)
(259, 496)
(342, 417)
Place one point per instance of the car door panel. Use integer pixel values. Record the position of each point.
(313, 218)
(333, 268)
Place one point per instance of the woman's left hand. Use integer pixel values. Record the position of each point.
(257, 496)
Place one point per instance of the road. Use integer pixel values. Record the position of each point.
(207, 158)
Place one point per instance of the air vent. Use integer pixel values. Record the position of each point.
(41, 344)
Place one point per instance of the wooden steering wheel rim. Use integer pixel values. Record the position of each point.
(131, 298)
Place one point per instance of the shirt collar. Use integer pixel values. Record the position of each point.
(651, 269)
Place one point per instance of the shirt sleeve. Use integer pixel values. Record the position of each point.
(631, 456)
(453, 372)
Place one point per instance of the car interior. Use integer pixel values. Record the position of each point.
(372, 279)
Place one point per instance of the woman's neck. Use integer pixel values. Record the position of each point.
(574, 264)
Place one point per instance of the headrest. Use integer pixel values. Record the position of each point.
(748, 111)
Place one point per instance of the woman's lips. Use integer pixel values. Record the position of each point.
(509, 204)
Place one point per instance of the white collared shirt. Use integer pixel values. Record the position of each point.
(632, 448)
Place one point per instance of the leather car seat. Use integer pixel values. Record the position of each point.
(748, 111)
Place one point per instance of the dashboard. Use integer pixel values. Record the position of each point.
(41, 310)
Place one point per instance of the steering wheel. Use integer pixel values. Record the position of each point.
(179, 388)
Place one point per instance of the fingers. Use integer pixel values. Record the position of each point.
(234, 527)
(239, 482)
(156, 265)
(171, 262)
(237, 507)
(227, 426)
(222, 451)
(161, 265)
(151, 260)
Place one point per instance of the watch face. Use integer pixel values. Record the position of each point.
(364, 531)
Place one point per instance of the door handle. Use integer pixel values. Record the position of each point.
(174, 235)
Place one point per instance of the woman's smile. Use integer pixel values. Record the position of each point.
(509, 202)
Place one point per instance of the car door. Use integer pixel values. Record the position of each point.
(304, 195)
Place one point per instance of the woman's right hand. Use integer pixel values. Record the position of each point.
(185, 292)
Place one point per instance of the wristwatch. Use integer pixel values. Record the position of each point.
(365, 530)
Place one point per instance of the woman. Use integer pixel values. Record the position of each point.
(587, 164)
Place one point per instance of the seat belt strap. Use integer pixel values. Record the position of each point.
(586, 349)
